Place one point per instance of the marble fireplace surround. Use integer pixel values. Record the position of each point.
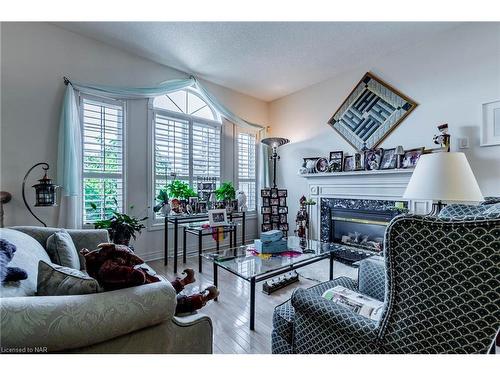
(386, 185)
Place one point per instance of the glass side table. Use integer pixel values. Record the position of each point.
(201, 230)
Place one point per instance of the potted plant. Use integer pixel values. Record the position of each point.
(226, 193)
(121, 227)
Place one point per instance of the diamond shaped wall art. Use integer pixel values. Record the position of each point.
(371, 111)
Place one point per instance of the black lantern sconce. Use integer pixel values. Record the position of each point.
(45, 191)
(274, 143)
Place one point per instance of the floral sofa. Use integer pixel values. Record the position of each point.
(440, 283)
(132, 320)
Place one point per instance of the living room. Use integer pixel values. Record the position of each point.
(250, 187)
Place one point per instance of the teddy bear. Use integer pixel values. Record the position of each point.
(7, 274)
(116, 266)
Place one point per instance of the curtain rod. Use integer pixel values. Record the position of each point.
(66, 80)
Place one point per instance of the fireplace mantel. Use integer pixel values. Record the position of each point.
(382, 184)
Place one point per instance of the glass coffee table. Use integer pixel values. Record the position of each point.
(245, 263)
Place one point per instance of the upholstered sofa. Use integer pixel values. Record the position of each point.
(439, 281)
(132, 320)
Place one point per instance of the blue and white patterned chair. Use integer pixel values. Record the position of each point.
(441, 292)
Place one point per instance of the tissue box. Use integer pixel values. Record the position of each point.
(271, 247)
(271, 236)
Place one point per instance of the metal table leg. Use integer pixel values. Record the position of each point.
(243, 227)
(165, 244)
(331, 266)
(252, 303)
(200, 248)
(215, 277)
(176, 243)
(184, 244)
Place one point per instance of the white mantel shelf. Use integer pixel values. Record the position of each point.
(357, 173)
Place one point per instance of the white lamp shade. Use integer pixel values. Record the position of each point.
(443, 176)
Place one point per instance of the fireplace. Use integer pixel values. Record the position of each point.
(358, 223)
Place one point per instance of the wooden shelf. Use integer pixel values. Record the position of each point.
(358, 173)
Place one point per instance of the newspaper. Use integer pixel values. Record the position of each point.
(356, 302)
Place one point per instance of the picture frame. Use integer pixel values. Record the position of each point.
(336, 159)
(389, 159)
(266, 227)
(283, 226)
(373, 159)
(266, 218)
(283, 210)
(283, 218)
(310, 164)
(266, 202)
(275, 218)
(348, 163)
(274, 193)
(371, 111)
(265, 209)
(282, 201)
(274, 201)
(201, 207)
(359, 161)
(490, 127)
(274, 210)
(282, 193)
(274, 226)
(322, 165)
(217, 218)
(265, 193)
(410, 157)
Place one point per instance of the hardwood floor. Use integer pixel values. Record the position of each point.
(230, 314)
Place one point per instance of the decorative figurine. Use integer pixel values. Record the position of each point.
(442, 139)
(242, 201)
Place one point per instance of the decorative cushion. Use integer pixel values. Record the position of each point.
(284, 313)
(62, 250)
(54, 280)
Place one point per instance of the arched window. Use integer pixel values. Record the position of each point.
(186, 136)
(188, 102)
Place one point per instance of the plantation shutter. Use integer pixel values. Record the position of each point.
(246, 167)
(103, 123)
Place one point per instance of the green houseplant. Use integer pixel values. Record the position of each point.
(179, 189)
(162, 199)
(121, 227)
(226, 192)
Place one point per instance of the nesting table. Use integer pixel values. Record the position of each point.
(177, 220)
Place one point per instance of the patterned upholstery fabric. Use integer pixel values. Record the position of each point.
(279, 344)
(444, 285)
(371, 278)
(284, 313)
(442, 291)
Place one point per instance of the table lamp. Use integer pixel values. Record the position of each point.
(274, 143)
(443, 176)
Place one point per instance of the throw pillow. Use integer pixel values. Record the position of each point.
(62, 250)
(54, 280)
(7, 250)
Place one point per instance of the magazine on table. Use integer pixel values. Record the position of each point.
(355, 301)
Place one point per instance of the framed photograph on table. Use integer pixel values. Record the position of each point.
(410, 157)
(217, 218)
(490, 131)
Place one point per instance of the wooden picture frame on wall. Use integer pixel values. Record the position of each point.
(352, 120)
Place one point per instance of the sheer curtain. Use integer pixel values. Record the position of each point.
(69, 150)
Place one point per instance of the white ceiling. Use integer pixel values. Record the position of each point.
(266, 60)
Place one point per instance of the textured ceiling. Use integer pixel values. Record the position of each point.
(266, 60)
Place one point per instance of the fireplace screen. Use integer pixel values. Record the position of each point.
(359, 228)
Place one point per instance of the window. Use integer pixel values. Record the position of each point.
(246, 167)
(186, 139)
(103, 135)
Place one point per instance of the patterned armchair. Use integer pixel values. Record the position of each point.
(442, 292)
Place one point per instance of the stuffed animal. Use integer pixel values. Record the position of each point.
(7, 274)
(116, 266)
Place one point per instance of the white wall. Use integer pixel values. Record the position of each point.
(34, 58)
(450, 77)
